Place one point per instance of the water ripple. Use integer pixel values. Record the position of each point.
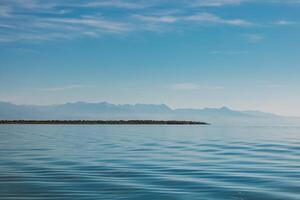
(149, 162)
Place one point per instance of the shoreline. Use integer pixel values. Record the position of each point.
(100, 122)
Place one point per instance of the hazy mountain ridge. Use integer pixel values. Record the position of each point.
(105, 110)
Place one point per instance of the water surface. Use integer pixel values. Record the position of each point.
(149, 162)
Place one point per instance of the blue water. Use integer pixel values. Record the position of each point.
(149, 162)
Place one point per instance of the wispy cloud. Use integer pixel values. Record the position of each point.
(157, 19)
(284, 23)
(211, 18)
(276, 86)
(287, 1)
(220, 3)
(63, 88)
(31, 28)
(254, 38)
(116, 4)
(216, 3)
(194, 86)
(94, 22)
(47, 20)
(228, 52)
(57, 19)
(194, 19)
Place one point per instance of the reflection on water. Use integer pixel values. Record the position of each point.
(149, 162)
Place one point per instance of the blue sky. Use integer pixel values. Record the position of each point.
(243, 54)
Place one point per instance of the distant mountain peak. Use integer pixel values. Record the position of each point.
(224, 108)
(106, 110)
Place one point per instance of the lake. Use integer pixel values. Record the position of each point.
(149, 162)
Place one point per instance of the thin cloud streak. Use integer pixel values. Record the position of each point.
(211, 18)
(194, 86)
(63, 88)
(216, 3)
(254, 38)
(228, 52)
(94, 22)
(285, 23)
(115, 4)
(157, 19)
(56, 19)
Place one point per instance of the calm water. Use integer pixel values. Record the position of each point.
(149, 162)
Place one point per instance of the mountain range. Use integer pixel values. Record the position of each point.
(105, 111)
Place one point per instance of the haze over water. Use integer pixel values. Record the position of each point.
(149, 162)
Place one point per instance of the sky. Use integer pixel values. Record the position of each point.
(243, 54)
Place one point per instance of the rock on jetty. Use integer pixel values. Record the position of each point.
(136, 122)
